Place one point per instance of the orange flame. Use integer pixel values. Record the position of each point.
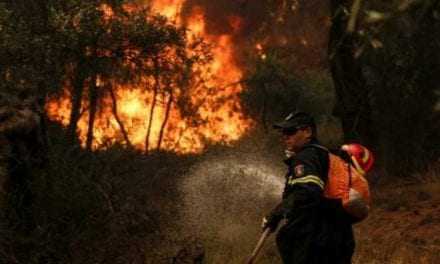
(218, 101)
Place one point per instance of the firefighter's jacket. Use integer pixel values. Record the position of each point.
(316, 231)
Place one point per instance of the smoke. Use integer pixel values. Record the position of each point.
(219, 13)
(224, 199)
(301, 27)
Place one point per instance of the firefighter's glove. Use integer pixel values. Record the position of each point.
(271, 221)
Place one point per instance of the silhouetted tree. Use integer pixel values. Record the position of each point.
(384, 75)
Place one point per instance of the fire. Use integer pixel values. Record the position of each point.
(168, 8)
(218, 102)
(197, 22)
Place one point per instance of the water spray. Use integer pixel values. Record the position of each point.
(223, 192)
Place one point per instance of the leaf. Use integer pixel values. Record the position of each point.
(358, 52)
(375, 43)
(375, 16)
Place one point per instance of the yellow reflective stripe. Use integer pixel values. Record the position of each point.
(307, 179)
(366, 155)
(357, 166)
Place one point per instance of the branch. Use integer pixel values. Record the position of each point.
(351, 26)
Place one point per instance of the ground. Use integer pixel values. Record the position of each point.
(404, 225)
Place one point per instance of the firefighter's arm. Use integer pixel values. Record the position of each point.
(303, 188)
(302, 196)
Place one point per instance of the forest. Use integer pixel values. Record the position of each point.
(140, 131)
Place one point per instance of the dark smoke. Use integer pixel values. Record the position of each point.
(298, 27)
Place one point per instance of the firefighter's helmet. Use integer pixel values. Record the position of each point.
(362, 158)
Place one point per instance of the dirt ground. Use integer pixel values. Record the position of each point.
(404, 226)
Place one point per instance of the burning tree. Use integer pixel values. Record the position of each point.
(117, 50)
(146, 81)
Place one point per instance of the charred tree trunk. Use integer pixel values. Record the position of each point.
(153, 104)
(115, 114)
(93, 101)
(165, 120)
(150, 121)
(353, 103)
(77, 94)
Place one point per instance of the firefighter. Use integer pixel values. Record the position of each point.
(316, 230)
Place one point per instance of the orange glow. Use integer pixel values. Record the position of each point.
(168, 8)
(196, 23)
(235, 23)
(217, 102)
(107, 10)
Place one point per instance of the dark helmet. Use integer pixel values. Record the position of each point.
(296, 120)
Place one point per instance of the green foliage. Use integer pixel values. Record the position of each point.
(91, 47)
(406, 97)
(38, 52)
(90, 207)
(318, 98)
(272, 91)
(390, 100)
(102, 207)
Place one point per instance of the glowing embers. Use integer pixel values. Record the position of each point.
(260, 51)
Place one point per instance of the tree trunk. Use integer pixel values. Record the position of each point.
(153, 104)
(165, 121)
(115, 114)
(353, 104)
(150, 121)
(93, 100)
(77, 93)
(402, 81)
(429, 79)
(405, 100)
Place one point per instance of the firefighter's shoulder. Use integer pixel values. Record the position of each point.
(311, 163)
(312, 156)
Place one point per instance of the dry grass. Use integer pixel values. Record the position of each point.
(404, 226)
